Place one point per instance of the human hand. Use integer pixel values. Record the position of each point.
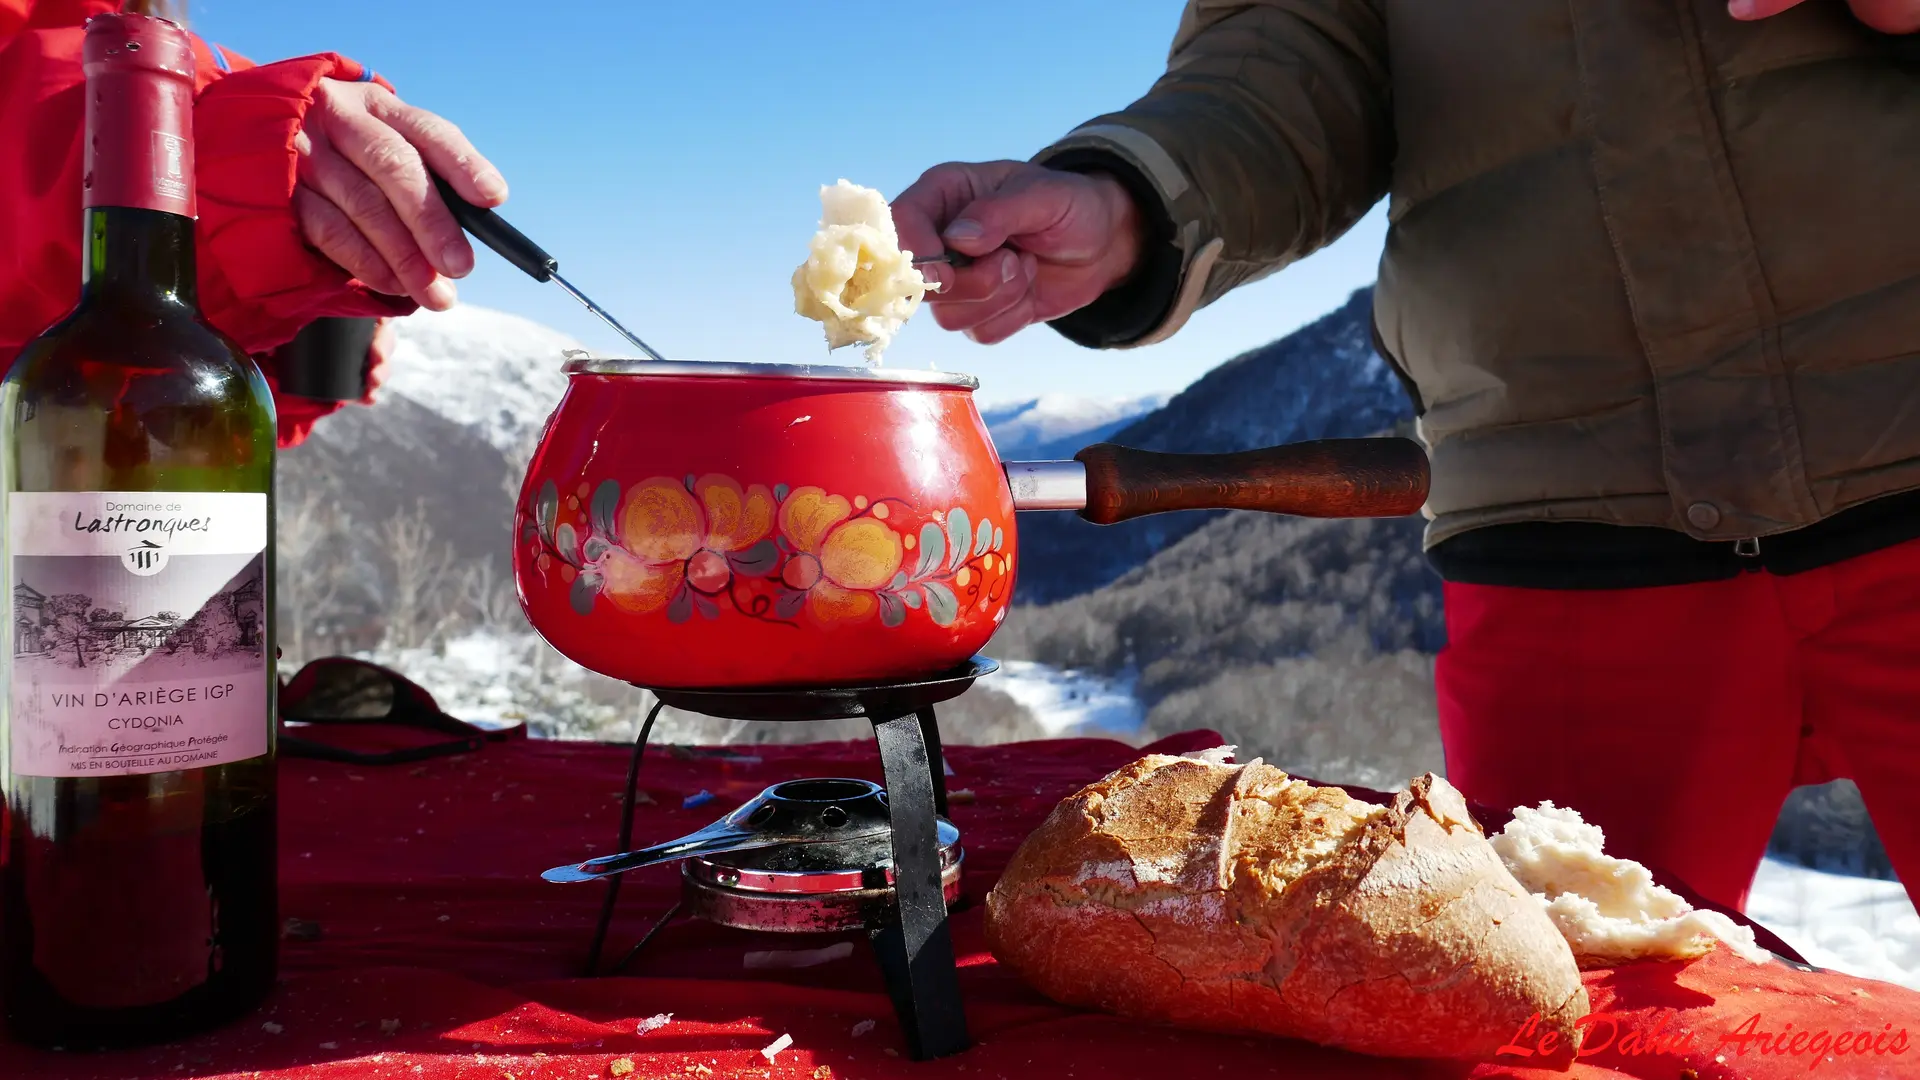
(386, 335)
(363, 197)
(1068, 237)
(1886, 16)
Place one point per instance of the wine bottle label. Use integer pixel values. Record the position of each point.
(138, 631)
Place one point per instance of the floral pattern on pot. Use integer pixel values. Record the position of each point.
(709, 545)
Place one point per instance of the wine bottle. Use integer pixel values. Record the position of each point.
(138, 865)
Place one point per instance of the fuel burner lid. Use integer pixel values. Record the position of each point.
(825, 886)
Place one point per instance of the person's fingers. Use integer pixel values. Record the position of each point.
(1036, 215)
(396, 168)
(979, 281)
(350, 191)
(328, 229)
(920, 211)
(445, 149)
(929, 203)
(385, 337)
(1007, 323)
(1013, 284)
(1888, 16)
(1759, 9)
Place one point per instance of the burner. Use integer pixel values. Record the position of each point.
(827, 854)
(798, 813)
(807, 888)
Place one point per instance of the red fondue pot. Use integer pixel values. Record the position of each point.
(722, 526)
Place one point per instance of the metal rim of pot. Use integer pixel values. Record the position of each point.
(597, 365)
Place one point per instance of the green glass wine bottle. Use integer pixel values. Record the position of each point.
(137, 703)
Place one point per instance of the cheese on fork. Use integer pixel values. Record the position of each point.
(1609, 909)
(856, 280)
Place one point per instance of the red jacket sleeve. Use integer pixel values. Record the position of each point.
(259, 282)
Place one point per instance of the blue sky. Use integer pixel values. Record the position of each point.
(670, 155)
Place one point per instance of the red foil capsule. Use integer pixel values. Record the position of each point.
(140, 111)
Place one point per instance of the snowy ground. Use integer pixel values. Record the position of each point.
(1860, 926)
(508, 678)
(1070, 702)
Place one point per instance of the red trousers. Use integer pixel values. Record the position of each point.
(1679, 718)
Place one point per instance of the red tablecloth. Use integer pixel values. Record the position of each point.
(441, 955)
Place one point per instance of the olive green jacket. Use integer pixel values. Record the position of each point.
(1646, 265)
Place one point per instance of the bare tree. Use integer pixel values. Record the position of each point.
(422, 589)
(488, 596)
(518, 458)
(313, 568)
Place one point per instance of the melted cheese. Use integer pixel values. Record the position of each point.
(856, 281)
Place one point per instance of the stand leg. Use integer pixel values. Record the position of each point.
(625, 844)
(914, 943)
(936, 758)
(672, 913)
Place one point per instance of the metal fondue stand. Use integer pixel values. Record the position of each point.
(906, 922)
(825, 875)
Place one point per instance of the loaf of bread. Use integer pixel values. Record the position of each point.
(1235, 898)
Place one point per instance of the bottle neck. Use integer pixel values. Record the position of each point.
(138, 256)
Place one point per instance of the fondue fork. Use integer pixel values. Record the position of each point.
(513, 245)
(796, 812)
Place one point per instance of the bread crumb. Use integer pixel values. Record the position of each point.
(620, 1066)
(863, 1027)
(1609, 909)
(271, 1028)
(823, 1073)
(772, 1050)
(654, 1023)
(389, 1027)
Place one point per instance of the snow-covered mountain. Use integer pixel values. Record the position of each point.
(494, 372)
(1057, 425)
(1323, 381)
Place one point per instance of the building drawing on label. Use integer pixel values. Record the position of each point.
(29, 622)
(71, 630)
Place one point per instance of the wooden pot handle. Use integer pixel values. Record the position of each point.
(1327, 478)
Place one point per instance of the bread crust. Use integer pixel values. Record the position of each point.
(1234, 898)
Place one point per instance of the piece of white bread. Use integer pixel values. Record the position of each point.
(1609, 909)
(1236, 898)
